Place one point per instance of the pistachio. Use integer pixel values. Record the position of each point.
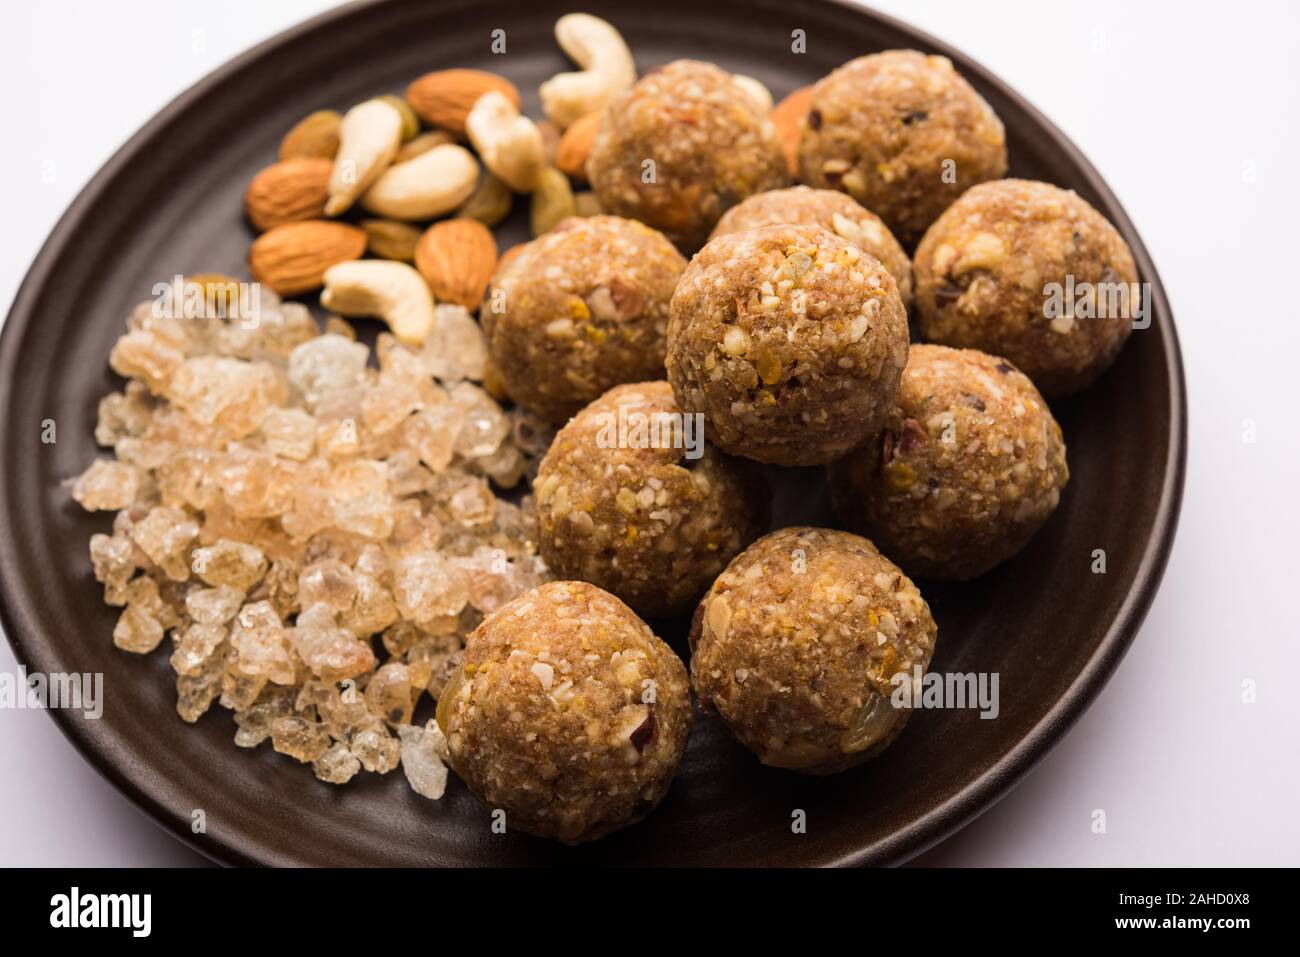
(422, 144)
(552, 201)
(389, 239)
(490, 202)
(410, 122)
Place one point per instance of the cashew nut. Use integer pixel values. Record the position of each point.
(755, 90)
(393, 291)
(509, 144)
(369, 138)
(607, 68)
(433, 183)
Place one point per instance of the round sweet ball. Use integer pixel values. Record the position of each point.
(579, 310)
(969, 467)
(567, 712)
(831, 210)
(685, 144)
(797, 645)
(1033, 273)
(789, 340)
(631, 498)
(902, 133)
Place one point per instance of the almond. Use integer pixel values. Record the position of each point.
(445, 97)
(788, 117)
(292, 258)
(457, 258)
(314, 137)
(288, 191)
(575, 145)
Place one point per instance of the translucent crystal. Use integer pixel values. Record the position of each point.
(506, 466)
(114, 560)
(493, 580)
(301, 739)
(229, 394)
(372, 609)
(372, 560)
(423, 752)
(193, 647)
(290, 433)
(328, 650)
(261, 642)
(377, 750)
(338, 765)
(281, 584)
(456, 349)
(329, 582)
(406, 475)
(389, 695)
(282, 327)
(238, 690)
(362, 504)
(431, 434)
(195, 693)
(387, 404)
(165, 535)
(286, 503)
(326, 364)
(236, 565)
(123, 414)
(313, 506)
(213, 606)
(107, 485)
(147, 357)
(484, 426)
(343, 708)
(472, 503)
(141, 625)
(338, 438)
(254, 483)
(255, 722)
(427, 586)
(188, 480)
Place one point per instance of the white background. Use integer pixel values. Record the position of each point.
(1188, 110)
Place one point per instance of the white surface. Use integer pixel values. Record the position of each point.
(1189, 115)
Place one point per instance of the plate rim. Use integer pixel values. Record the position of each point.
(958, 810)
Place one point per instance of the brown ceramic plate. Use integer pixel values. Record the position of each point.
(169, 202)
